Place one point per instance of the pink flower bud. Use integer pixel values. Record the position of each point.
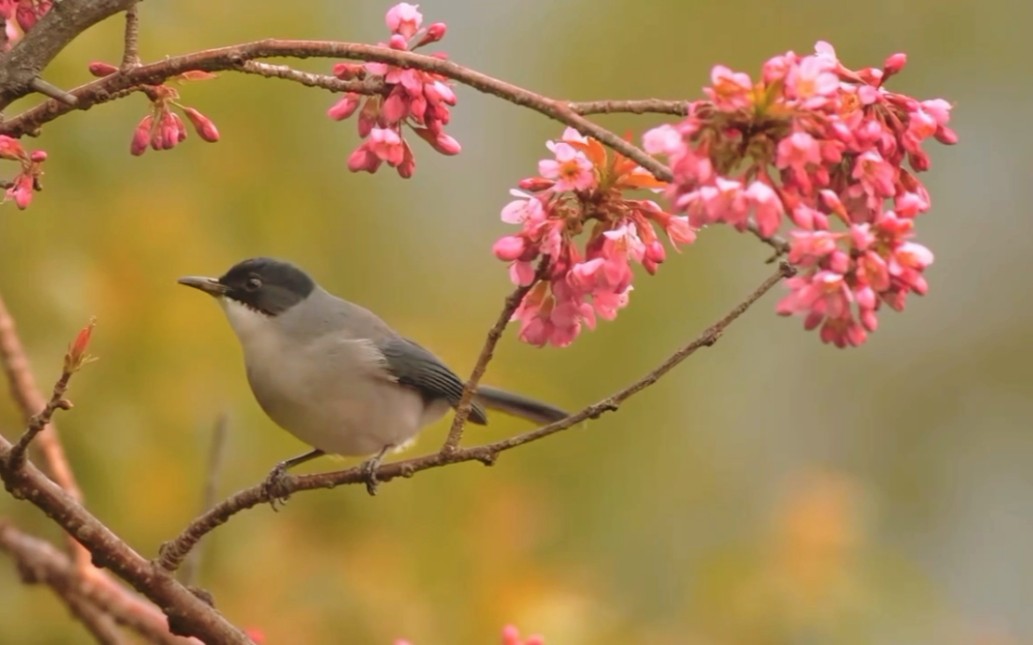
(395, 107)
(433, 34)
(368, 115)
(408, 165)
(100, 68)
(344, 108)
(11, 148)
(509, 248)
(38, 156)
(347, 71)
(535, 184)
(76, 355)
(893, 65)
(202, 125)
(446, 145)
(21, 190)
(362, 159)
(141, 136)
(398, 42)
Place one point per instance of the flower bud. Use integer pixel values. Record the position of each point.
(100, 68)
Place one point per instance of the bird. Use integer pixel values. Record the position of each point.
(334, 374)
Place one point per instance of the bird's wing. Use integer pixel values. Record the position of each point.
(414, 366)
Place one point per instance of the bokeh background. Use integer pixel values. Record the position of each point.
(770, 490)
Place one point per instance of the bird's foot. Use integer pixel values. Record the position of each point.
(275, 485)
(369, 470)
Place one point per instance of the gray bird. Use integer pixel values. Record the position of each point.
(333, 373)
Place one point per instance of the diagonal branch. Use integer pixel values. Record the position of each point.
(455, 433)
(187, 613)
(89, 599)
(172, 553)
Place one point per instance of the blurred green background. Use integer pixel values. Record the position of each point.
(770, 490)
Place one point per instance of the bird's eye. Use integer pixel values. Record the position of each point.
(253, 283)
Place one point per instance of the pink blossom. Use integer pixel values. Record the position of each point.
(730, 90)
(812, 81)
(404, 19)
(768, 207)
(411, 98)
(511, 636)
(570, 169)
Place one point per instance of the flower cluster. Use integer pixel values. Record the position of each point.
(162, 128)
(21, 189)
(818, 145)
(411, 97)
(581, 187)
(19, 17)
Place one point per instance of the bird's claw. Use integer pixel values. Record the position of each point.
(275, 486)
(369, 474)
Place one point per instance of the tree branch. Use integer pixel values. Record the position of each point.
(187, 613)
(236, 58)
(29, 399)
(52, 33)
(455, 433)
(39, 562)
(131, 39)
(172, 553)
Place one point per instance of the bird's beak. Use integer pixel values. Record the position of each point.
(211, 286)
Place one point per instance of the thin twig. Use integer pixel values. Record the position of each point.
(131, 39)
(192, 565)
(465, 405)
(29, 398)
(53, 91)
(172, 553)
(16, 458)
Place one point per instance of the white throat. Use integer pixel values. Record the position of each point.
(251, 327)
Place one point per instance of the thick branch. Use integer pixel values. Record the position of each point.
(65, 20)
(187, 613)
(173, 552)
(39, 562)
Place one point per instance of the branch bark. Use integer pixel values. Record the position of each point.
(62, 24)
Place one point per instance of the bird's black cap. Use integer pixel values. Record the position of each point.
(264, 284)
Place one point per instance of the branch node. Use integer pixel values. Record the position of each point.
(488, 457)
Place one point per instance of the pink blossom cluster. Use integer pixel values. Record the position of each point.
(411, 97)
(19, 17)
(510, 636)
(162, 128)
(814, 145)
(581, 189)
(21, 189)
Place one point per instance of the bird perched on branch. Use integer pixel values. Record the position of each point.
(335, 375)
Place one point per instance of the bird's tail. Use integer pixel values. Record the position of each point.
(518, 406)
